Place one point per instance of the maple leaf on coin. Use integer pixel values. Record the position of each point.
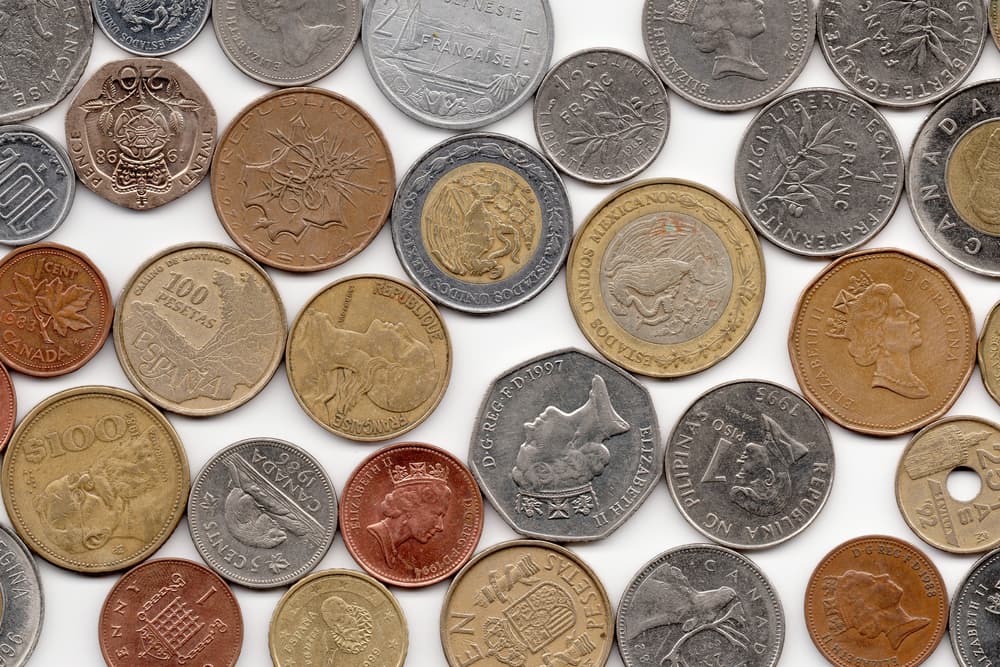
(64, 305)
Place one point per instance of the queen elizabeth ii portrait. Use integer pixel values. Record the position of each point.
(725, 28)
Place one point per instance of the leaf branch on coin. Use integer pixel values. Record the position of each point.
(806, 150)
(616, 121)
(51, 304)
(916, 18)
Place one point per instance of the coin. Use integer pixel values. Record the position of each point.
(882, 342)
(973, 633)
(153, 28)
(303, 179)
(23, 602)
(993, 20)
(262, 512)
(141, 132)
(94, 479)
(601, 115)
(38, 183)
(699, 604)
(457, 65)
(8, 412)
(481, 222)
(665, 277)
(340, 615)
(728, 56)
(876, 600)
(200, 329)
(988, 353)
(819, 172)
(170, 611)
(525, 601)
(368, 358)
(750, 464)
(55, 311)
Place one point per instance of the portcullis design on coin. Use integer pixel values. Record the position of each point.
(151, 28)
(38, 183)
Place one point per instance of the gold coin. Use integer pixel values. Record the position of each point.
(974, 154)
(988, 353)
(95, 479)
(665, 278)
(338, 617)
(368, 358)
(527, 600)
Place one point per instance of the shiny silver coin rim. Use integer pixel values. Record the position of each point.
(954, 619)
(24, 628)
(67, 165)
(155, 53)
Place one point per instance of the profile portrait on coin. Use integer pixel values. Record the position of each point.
(725, 28)
(763, 484)
(349, 628)
(870, 605)
(300, 41)
(413, 510)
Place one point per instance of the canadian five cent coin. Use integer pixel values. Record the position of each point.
(974, 620)
(38, 183)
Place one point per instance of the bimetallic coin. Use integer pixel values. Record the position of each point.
(38, 183)
(457, 65)
(750, 464)
(988, 353)
(974, 619)
(22, 599)
(262, 512)
(482, 223)
(8, 411)
(151, 28)
(601, 115)
(665, 277)
(819, 172)
(526, 600)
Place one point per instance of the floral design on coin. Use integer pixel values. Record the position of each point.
(151, 27)
(22, 600)
(38, 183)
(974, 619)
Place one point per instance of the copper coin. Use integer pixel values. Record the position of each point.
(882, 342)
(8, 410)
(303, 179)
(876, 600)
(412, 514)
(55, 309)
(170, 612)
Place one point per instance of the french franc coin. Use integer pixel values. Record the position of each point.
(152, 28)
(38, 183)
(22, 600)
(974, 618)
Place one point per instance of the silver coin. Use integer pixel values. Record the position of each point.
(700, 604)
(286, 42)
(151, 28)
(23, 602)
(974, 617)
(819, 172)
(38, 183)
(902, 54)
(566, 447)
(262, 513)
(728, 55)
(481, 222)
(601, 115)
(457, 64)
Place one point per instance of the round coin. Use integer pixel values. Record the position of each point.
(975, 635)
(988, 353)
(170, 612)
(199, 329)
(994, 22)
(819, 172)
(665, 277)
(56, 309)
(303, 179)
(482, 222)
(141, 132)
(876, 600)
(8, 412)
(94, 479)
(368, 358)
(38, 183)
(22, 600)
(526, 601)
(750, 464)
(152, 29)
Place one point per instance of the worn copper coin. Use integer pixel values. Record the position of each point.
(8, 408)
(170, 612)
(988, 353)
(412, 514)
(55, 309)
(882, 342)
(876, 600)
(141, 133)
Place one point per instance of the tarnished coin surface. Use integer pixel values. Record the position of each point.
(601, 115)
(819, 172)
(154, 28)
(566, 446)
(457, 65)
(368, 358)
(22, 599)
(665, 277)
(974, 619)
(882, 342)
(200, 329)
(141, 133)
(8, 410)
(988, 353)
(750, 464)
(38, 183)
(700, 604)
(95, 479)
(482, 222)
(876, 600)
(526, 601)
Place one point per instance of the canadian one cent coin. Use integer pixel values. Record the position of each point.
(303, 179)
(665, 277)
(697, 604)
(95, 479)
(988, 353)
(22, 600)
(368, 358)
(344, 616)
(170, 611)
(482, 222)
(154, 28)
(38, 183)
(974, 619)
(525, 601)
(750, 464)
(8, 412)
(882, 342)
(141, 132)
(56, 309)
(876, 600)
(200, 329)
(819, 172)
